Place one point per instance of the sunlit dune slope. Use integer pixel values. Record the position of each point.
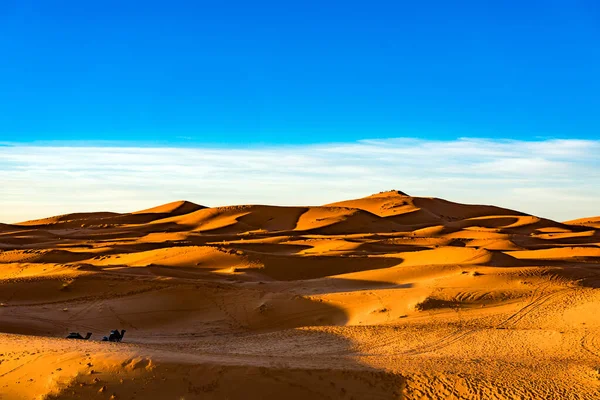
(175, 208)
(73, 218)
(105, 219)
(593, 222)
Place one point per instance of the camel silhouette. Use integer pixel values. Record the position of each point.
(76, 335)
(115, 336)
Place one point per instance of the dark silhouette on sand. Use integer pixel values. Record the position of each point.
(76, 335)
(115, 336)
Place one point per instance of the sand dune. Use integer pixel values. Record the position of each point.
(175, 208)
(387, 296)
(593, 222)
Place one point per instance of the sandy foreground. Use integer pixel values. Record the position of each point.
(385, 297)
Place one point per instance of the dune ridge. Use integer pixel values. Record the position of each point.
(387, 296)
(592, 222)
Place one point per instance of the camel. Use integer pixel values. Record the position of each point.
(115, 336)
(76, 335)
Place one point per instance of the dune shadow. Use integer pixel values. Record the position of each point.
(199, 308)
(289, 267)
(208, 341)
(290, 364)
(583, 274)
(330, 285)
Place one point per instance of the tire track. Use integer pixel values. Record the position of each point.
(588, 343)
(21, 365)
(84, 309)
(539, 298)
(534, 305)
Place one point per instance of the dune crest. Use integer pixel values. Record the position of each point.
(175, 208)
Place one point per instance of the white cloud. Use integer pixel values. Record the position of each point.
(558, 179)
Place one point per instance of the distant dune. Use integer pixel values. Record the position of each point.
(388, 296)
(593, 222)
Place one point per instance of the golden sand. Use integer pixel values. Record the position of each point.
(385, 297)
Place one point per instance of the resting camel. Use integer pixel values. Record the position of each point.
(76, 335)
(115, 336)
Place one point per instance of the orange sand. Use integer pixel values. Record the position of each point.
(385, 297)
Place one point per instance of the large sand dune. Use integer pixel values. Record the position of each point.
(388, 297)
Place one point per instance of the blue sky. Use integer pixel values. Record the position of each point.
(125, 105)
(266, 72)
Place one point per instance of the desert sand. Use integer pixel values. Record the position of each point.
(384, 297)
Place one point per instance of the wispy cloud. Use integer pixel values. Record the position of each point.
(559, 179)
